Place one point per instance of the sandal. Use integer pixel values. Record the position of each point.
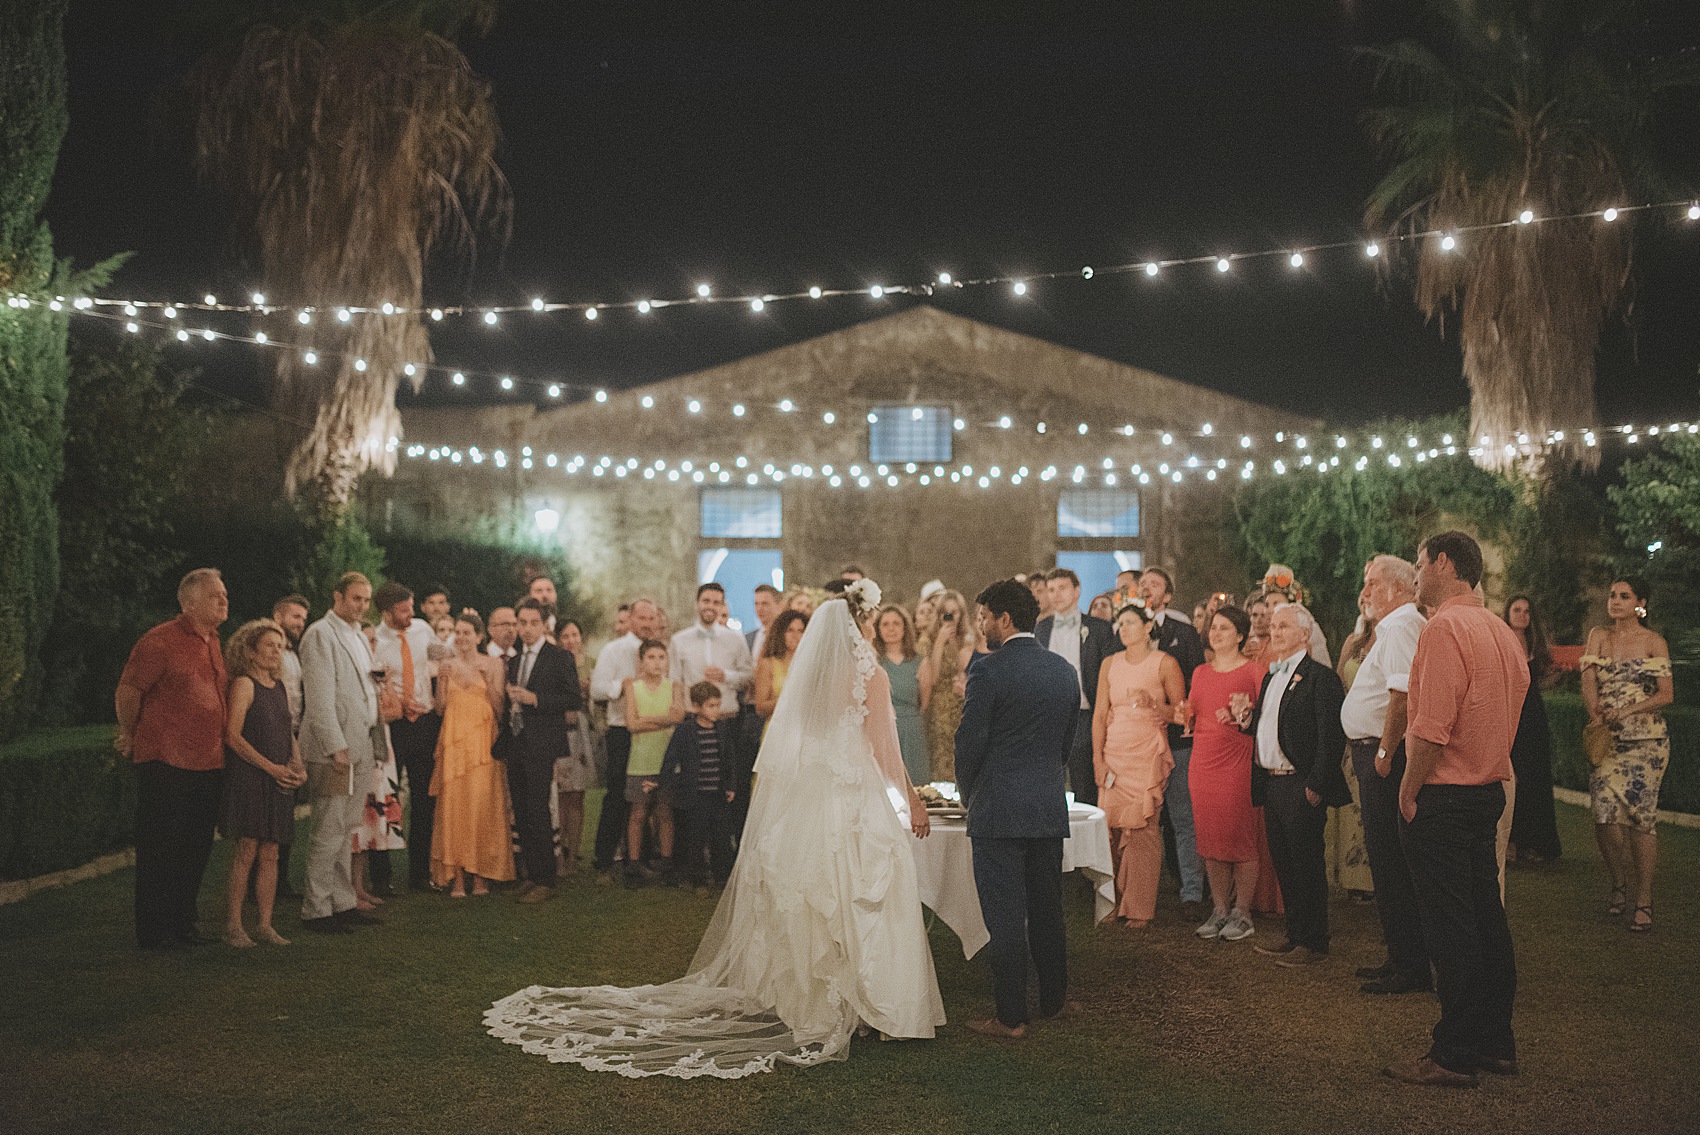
(1619, 897)
(1638, 927)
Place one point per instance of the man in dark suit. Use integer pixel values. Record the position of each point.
(1296, 776)
(1083, 642)
(1177, 638)
(1018, 723)
(542, 691)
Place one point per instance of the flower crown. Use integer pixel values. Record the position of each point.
(863, 596)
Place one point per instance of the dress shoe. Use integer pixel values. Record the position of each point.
(535, 895)
(354, 916)
(1496, 1067)
(195, 938)
(1426, 1073)
(996, 1029)
(1069, 1010)
(1396, 983)
(526, 886)
(1301, 956)
(330, 924)
(1374, 973)
(1283, 947)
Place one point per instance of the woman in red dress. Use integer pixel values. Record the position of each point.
(1224, 690)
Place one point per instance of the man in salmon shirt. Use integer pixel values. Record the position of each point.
(1467, 684)
(171, 703)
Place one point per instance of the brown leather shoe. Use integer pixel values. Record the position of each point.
(995, 1028)
(526, 886)
(1426, 1073)
(536, 895)
(1300, 956)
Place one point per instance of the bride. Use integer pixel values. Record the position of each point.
(819, 930)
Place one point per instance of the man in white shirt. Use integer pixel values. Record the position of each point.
(1084, 642)
(710, 652)
(1374, 718)
(504, 630)
(404, 643)
(614, 665)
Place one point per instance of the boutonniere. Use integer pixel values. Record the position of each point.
(1082, 632)
(1297, 678)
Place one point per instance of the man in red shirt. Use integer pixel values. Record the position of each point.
(1468, 681)
(171, 704)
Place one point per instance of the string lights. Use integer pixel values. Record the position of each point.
(1448, 239)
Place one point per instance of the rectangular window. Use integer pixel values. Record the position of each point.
(1097, 570)
(742, 514)
(910, 433)
(740, 571)
(1098, 512)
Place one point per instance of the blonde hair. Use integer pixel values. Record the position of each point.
(964, 616)
(242, 652)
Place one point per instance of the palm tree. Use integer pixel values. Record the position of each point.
(354, 134)
(1527, 106)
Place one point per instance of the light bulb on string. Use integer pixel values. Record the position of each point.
(1372, 250)
(648, 402)
(1019, 287)
(1296, 260)
(757, 304)
(259, 299)
(643, 306)
(1694, 212)
(944, 278)
(815, 292)
(704, 291)
(311, 358)
(876, 291)
(1526, 216)
(602, 396)
(1448, 242)
(343, 315)
(459, 379)
(169, 313)
(490, 318)
(1609, 215)
(210, 300)
(409, 370)
(1151, 268)
(554, 390)
(536, 303)
(1004, 422)
(507, 383)
(1222, 264)
(590, 313)
(738, 411)
(388, 308)
(829, 417)
(132, 328)
(183, 337)
(260, 338)
(436, 315)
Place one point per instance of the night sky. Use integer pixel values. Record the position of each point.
(870, 143)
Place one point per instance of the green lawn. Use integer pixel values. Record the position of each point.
(380, 1031)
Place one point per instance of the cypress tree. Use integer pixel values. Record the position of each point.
(32, 345)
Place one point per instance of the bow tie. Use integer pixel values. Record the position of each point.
(1284, 666)
(1069, 619)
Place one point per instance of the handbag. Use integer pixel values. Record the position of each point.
(1597, 742)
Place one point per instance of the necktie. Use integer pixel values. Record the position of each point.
(516, 713)
(407, 681)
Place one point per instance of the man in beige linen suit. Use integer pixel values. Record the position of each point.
(341, 735)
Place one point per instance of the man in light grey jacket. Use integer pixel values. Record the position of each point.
(341, 737)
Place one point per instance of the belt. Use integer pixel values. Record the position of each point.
(1282, 771)
(1376, 741)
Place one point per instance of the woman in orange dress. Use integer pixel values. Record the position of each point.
(1140, 692)
(471, 834)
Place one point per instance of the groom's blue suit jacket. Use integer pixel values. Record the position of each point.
(1018, 723)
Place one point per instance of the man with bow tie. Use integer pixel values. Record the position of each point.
(1084, 642)
(1296, 777)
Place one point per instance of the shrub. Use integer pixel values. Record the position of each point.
(1680, 791)
(65, 798)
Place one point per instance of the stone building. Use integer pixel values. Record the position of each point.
(916, 446)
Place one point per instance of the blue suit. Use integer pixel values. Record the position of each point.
(1018, 725)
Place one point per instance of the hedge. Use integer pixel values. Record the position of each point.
(1681, 789)
(65, 798)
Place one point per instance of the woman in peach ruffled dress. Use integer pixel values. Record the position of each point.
(1140, 692)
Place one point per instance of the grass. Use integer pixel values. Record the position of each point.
(380, 1031)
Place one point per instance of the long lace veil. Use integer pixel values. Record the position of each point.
(765, 983)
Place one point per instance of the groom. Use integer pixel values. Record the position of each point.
(1018, 725)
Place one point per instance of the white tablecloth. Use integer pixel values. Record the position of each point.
(944, 869)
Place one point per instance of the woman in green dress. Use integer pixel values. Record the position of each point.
(1626, 681)
(894, 641)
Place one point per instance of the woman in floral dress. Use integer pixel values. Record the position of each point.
(1626, 681)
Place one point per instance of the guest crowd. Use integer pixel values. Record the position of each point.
(1229, 745)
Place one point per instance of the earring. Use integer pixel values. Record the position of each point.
(1640, 612)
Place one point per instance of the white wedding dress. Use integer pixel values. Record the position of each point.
(819, 929)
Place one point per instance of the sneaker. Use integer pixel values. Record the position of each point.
(1237, 927)
(1212, 926)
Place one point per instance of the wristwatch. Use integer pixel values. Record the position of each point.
(1381, 754)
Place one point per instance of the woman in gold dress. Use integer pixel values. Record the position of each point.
(471, 832)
